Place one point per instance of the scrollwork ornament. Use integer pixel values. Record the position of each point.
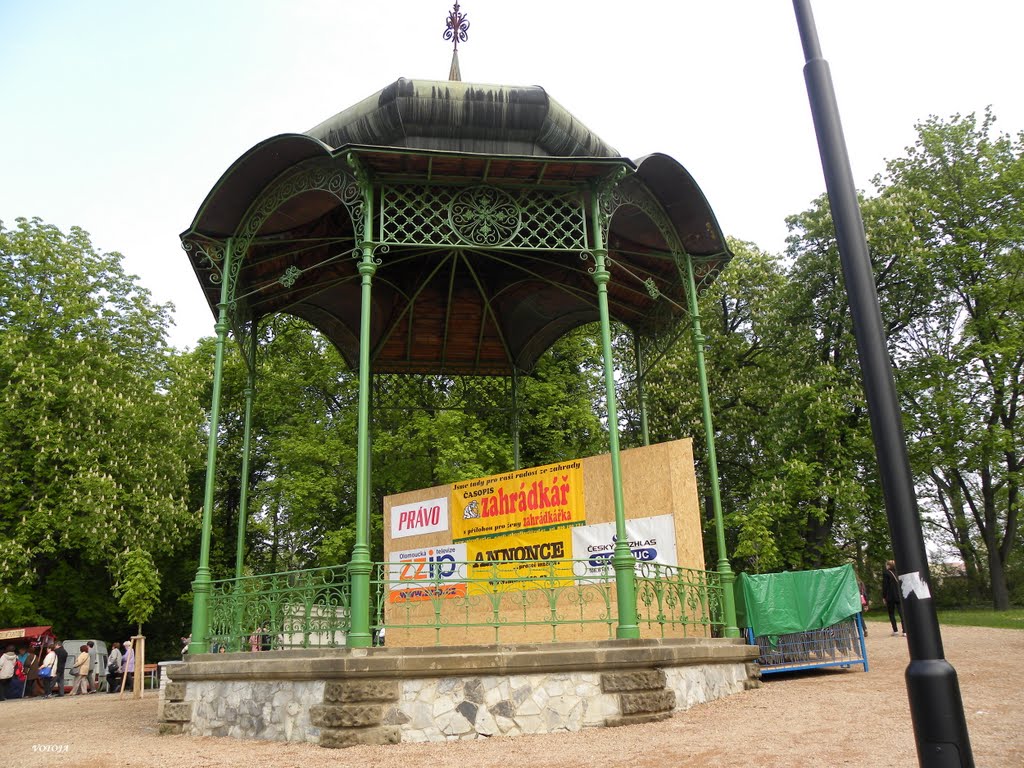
(485, 216)
(652, 288)
(212, 256)
(290, 276)
(380, 249)
(612, 196)
(315, 175)
(704, 273)
(456, 27)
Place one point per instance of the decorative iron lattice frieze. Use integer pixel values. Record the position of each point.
(481, 216)
(413, 392)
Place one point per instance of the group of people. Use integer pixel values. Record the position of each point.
(24, 673)
(120, 666)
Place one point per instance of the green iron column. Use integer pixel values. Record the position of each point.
(243, 497)
(360, 566)
(622, 559)
(724, 569)
(515, 417)
(640, 391)
(201, 587)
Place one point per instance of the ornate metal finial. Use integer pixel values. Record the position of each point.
(456, 27)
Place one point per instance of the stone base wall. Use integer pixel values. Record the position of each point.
(378, 696)
(278, 710)
(466, 708)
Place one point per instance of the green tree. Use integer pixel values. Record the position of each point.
(138, 586)
(965, 360)
(98, 437)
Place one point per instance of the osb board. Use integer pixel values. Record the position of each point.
(656, 480)
(600, 627)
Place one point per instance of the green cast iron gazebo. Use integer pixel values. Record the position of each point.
(443, 227)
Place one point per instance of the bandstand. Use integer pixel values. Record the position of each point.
(455, 230)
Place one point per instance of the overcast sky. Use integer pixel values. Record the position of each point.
(120, 116)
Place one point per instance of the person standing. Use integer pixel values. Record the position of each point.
(865, 604)
(48, 671)
(30, 663)
(62, 662)
(81, 672)
(128, 665)
(891, 597)
(114, 669)
(94, 676)
(7, 662)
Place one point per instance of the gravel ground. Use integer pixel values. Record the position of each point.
(825, 718)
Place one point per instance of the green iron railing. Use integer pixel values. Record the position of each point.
(455, 603)
(293, 609)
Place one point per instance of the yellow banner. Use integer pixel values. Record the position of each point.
(516, 501)
(522, 561)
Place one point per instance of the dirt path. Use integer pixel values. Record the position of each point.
(836, 718)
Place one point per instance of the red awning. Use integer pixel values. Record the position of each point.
(25, 633)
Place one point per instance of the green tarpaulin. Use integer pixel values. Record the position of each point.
(796, 601)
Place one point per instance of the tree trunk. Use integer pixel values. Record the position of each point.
(1000, 591)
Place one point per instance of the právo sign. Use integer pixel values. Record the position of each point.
(419, 517)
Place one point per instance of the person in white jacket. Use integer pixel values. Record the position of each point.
(48, 671)
(7, 662)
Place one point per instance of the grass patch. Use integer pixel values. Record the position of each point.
(984, 617)
(969, 617)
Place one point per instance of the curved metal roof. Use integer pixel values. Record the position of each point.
(460, 310)
(463, 117)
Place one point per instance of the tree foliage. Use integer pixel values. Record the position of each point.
(138, 585)
(799, 482)
(963, 360)
(98, 435)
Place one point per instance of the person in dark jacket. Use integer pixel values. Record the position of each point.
(891, 597)
(114, 669)
(62, 661)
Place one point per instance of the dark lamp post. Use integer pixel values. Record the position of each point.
(936, 708)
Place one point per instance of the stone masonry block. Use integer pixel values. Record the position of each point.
(336, 738)
(361, 690)
(647, 701)
(350, 715)
(649, 717)
(174, 692)
(169, 729)
(178, 711)
(633, 680)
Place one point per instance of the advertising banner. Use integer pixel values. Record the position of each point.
(427, 573)
(419, 517)
(539, 497)
(651, 540)
(528, 560)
